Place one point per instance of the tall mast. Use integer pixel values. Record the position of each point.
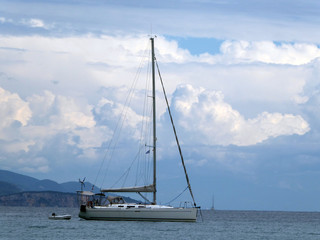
(154, 124)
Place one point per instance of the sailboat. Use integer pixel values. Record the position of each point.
(212, 207)
(117, 209)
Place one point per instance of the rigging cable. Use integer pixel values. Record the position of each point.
(140, 173)
(168, 203)
(175, 133)
(116, 133)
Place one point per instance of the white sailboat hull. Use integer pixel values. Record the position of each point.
(165, 214)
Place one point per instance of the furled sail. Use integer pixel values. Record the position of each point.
(86, 193)
(149, 188)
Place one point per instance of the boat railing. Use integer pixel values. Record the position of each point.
(185, 204)
(91, 199)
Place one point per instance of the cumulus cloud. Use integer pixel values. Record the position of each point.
(29, 125)
(104, 52)
(268, 52)
(206, 116)
(64, 115)
(14, 113)
(117, 114)
(89, 62)
(45, 123)
(83, 67)
(239, 51)
(13, 108)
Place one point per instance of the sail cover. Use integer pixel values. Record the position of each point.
(149, 188)
(87, 193)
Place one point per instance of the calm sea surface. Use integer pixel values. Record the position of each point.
(33, 223)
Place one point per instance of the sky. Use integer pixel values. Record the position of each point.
(242, 78)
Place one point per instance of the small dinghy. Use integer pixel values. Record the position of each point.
(60, 217)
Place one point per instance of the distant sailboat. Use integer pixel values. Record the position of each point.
(212, 206)
(117, 209)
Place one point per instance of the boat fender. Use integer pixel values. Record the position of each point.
(83, 208)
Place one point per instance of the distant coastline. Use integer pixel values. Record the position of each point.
(21, 190)
(40, 199)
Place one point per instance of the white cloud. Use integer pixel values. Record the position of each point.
(238, 51)
(70, 115)
(268, 52)
(46, 117)
(43, 117)
(120, 115)
(86, 63)
(73, 63)
(31, 22)
(13, 108)
(268, 125)
(206, 117)
(5, 20)
(82, 68)
(66, 116)
(35, 23)
(72, 54)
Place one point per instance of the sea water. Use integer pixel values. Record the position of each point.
(33, 223)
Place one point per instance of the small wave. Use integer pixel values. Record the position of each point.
(38, 227)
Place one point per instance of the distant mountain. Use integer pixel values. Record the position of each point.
(20, 190)
(11, 182)
(8, 188)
